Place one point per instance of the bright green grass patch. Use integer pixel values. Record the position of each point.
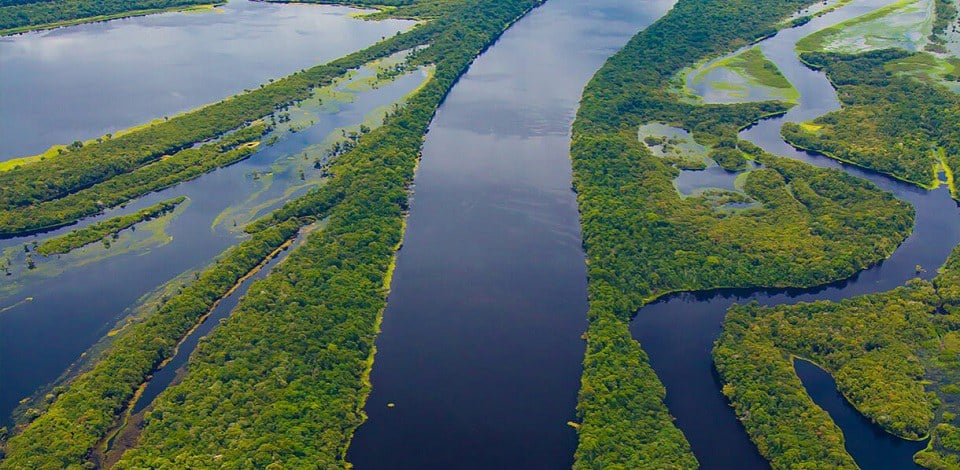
(753, 64)
(741, 77)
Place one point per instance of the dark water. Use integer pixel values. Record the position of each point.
(85, 81)
(77, 299)
(480, 350)
(678, 331)
(163, 377)
(863, 438)
(713, 177)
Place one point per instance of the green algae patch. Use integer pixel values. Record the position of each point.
(675, 145)
(20, 263)
(102, 230)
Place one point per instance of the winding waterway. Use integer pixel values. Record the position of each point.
(53, 313)
(678, 331)
(480, 349)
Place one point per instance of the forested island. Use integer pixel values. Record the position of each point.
(893, 354)
(282, 382)
(18, 16)
(316, 314)
(644, 240)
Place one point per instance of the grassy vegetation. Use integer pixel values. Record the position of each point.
(755, 71)
(101, 230)
(169, 171)
(644, 240)
(18, 17)
(895, 356)
(896, 124)
(82, 413)
(28, 189)
(879, 27)
(283, 381)
(752, 63)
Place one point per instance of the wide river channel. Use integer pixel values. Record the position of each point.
(479, 359)
(478, 362)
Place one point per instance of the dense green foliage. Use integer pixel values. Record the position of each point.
(181, 166)
(643, 239)
(892, 123)
(23, 15)
(283, 381)
(73, 424)
(101, 230)
(289, 367)
(895, 356)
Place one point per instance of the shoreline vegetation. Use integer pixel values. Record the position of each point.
(49, 192)
(810, 226)
(893, 354)
(281, 382)
(21, 16)
(101, 230)
(912, 120)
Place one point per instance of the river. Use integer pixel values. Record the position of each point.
(479, 359)
(480, 352)
(82, 82)
(52, 314)
(678, 331)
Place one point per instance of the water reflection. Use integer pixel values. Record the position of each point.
(85, 81)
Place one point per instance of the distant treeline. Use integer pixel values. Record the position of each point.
(24, 15)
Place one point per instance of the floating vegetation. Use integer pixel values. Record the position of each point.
(906, 24)
(741, 77)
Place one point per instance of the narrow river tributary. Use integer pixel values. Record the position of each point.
(678, 331)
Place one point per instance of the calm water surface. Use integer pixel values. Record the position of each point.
(86, 81)
(480, 351)
(678, 331)
(75, 299)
